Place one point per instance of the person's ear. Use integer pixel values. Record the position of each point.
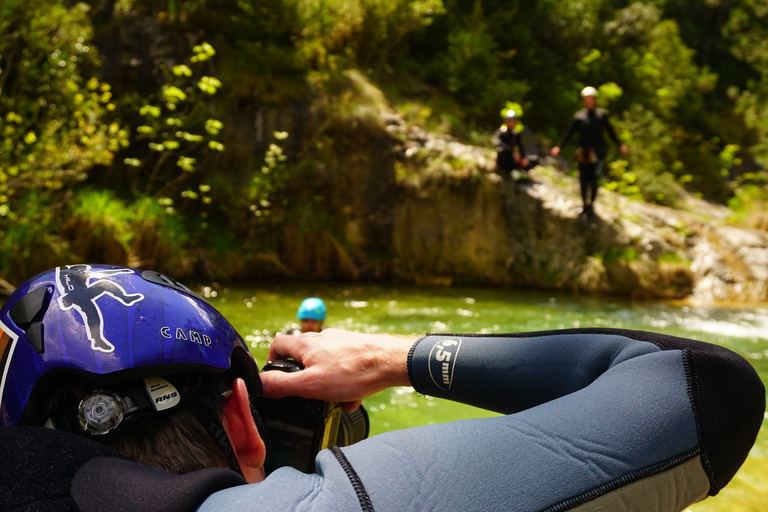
(243, 434)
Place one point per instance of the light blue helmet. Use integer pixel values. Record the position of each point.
(312, 309)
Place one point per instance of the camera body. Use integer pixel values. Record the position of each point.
(298, 428)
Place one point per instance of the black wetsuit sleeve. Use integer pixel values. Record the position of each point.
(517, 140)
(569, 132)
(498, 142)
(609, 129)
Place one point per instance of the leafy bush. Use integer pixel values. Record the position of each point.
(56, 122)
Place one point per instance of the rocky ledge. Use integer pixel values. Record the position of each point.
(457, 221)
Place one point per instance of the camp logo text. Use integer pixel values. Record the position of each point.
(442, 362)
(186, 335)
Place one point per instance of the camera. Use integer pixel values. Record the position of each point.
(298, 428)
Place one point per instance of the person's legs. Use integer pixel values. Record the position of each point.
(505, 163)
(596, 179)
(588, 182)
(584, 174)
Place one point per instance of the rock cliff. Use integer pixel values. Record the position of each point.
(456, 221)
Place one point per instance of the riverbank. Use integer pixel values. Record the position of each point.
(457, 222)
(366, 196)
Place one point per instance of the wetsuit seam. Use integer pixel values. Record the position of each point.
(623, 480)
(409, 363)
(357, 484)
(692, 391)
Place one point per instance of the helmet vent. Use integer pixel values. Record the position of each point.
(158, 278)
(28, 314)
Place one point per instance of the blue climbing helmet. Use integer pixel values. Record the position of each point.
(312, 309)
(108, 324)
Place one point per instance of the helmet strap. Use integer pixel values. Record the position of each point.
(213, 426)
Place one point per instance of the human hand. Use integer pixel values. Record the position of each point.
(339, 366)
(554, 151)
(624, 149)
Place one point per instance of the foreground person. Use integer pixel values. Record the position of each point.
(594, 419)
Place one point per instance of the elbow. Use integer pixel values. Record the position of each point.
(729, 404)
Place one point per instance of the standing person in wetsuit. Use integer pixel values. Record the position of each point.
(590, 123)
(510, 151)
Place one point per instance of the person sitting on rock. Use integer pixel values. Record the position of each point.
(510, 150)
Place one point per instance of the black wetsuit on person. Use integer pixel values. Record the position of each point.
(505, 141)
(590, 125)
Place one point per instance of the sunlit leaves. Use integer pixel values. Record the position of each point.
(150, 110)
(178, 128)
(209, 84)
(213, 126)
(187, 164)
(272, 178)
(202, 52)
(182, 70)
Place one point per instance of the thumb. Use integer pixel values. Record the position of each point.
(272, 384)
(277, 384)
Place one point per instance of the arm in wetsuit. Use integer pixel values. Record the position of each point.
(609, 128)
(572, 128)
(596, 419)
(622, 420)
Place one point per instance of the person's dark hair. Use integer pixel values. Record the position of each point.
(173, 440)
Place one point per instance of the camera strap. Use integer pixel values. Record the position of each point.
(213, 426)
(270, 462)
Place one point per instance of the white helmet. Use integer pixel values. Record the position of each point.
(589, 91)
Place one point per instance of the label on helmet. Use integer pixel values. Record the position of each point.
(80, 289)
(162, 393)
(442, 361)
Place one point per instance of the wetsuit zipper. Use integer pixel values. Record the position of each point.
(354, 479)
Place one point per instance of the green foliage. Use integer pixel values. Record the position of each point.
(104, 228)
(686, 84)
(56, 122)
(32, 242)
(751, 105)
(176, 123)
(750, 200)
(269, 181)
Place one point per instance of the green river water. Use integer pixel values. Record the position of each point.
(257, 312)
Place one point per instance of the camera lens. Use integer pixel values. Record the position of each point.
(354, 427)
